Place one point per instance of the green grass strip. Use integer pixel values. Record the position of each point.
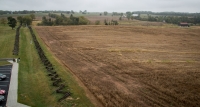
(35, 87)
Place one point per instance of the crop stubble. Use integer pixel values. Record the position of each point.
(131, 66)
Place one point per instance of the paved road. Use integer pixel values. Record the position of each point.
(4, 84)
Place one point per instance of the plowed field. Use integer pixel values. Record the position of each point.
(131, 66)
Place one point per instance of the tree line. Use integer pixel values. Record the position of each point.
(172, 19)
(166, 13)
(33, 11)
(17, 12)
(26, 20)
(168, 17)
(112, 22)
(117, 14)
(23, 20)
(55, 19)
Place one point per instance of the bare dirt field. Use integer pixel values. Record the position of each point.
(131, 66)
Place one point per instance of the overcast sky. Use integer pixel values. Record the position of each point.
(103, 5)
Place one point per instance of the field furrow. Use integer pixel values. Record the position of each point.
(131, 66)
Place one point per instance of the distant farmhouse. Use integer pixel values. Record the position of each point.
(135, 15)
(124, 16)
(184, 24)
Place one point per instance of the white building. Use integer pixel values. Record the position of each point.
(135, 15)
(124, 16)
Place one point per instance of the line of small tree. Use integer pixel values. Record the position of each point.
(17, 12)
(33, 11)
(117, 14)
(26, 20)
(83, 12)
(23, 20)
(166, 13)
(55, 19)
(173, 19)
(168, 19)
(112, 22)
(105, 13)
(70, 12)
(128, 15)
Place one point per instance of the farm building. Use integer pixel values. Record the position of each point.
(124, 16)
(184, 24)
(135, 15)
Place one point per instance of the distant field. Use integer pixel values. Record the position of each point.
(129, 65)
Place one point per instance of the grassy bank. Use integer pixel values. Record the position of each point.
(35, 87)
(7, 38)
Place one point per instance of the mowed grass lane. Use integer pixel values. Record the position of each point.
(35, 87)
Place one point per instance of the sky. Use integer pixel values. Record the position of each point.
(191, 6)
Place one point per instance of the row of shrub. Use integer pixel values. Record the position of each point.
(54, 77)
(112, 22)
(16, 45)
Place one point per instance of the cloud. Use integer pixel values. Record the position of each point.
(103, 5)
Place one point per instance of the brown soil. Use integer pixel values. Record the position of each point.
(131, 66)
